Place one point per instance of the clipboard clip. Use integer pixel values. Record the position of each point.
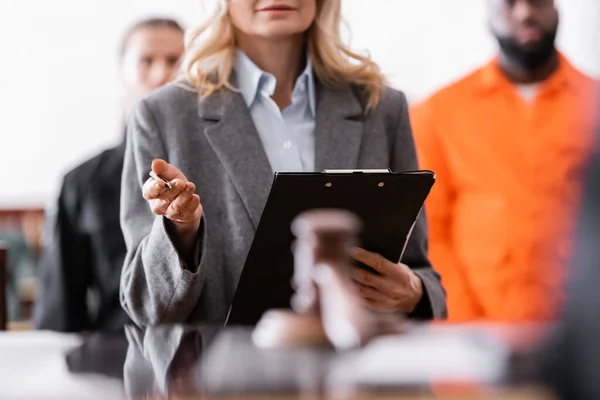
(358, 171)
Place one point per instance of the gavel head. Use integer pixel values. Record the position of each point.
(323, 236)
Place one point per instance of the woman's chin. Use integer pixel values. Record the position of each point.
(280, 30)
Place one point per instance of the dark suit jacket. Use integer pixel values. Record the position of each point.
(572, 358)
(84, 251)
(215, 144)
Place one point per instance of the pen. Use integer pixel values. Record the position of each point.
(153, 175)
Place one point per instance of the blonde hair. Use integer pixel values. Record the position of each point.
(208, 61)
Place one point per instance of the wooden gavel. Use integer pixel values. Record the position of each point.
(326, 305)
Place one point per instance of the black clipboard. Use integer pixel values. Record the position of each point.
(387, 203)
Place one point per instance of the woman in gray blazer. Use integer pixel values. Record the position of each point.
(268, 86)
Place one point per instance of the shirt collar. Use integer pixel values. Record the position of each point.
(251, 79)
(565, 76)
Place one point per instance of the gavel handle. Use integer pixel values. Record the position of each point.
(346, 322)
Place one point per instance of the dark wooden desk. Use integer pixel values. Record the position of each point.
(168, 362)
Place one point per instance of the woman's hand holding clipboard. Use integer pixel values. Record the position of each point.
(395, 287)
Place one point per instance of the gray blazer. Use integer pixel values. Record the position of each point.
(215, 144)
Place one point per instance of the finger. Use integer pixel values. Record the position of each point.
(178, 186)
(153, 189)
(166, 170)
(376, 306)
(159, 206)
(196, 204)
(190, 186)
(178, 206)
(367, 292)
(370, 279)
(188, 211)
(373, 260)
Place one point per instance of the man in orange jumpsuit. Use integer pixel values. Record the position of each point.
(508, 144)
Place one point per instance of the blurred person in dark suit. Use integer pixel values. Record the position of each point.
(508, 144)
(84, 249)
(572, 358)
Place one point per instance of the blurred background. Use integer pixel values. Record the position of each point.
(60, 58)
(59, 92)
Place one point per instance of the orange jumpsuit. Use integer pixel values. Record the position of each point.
(502, 212)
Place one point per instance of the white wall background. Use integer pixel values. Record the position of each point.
(58, 89)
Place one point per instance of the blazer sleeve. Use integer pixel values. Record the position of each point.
(65, 265)
(404, 158)
(157, 285)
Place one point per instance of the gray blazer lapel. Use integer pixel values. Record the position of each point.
(339, 128)
(233, 136)
(236, 142)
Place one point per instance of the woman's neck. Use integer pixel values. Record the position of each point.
(284, 59)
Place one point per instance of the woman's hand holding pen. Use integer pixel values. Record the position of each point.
(178, 202)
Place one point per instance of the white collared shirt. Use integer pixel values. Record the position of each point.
(287, 135)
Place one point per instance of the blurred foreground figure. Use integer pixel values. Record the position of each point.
(574, 354)
(508, 144)
(327, 306)
(84, 247)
